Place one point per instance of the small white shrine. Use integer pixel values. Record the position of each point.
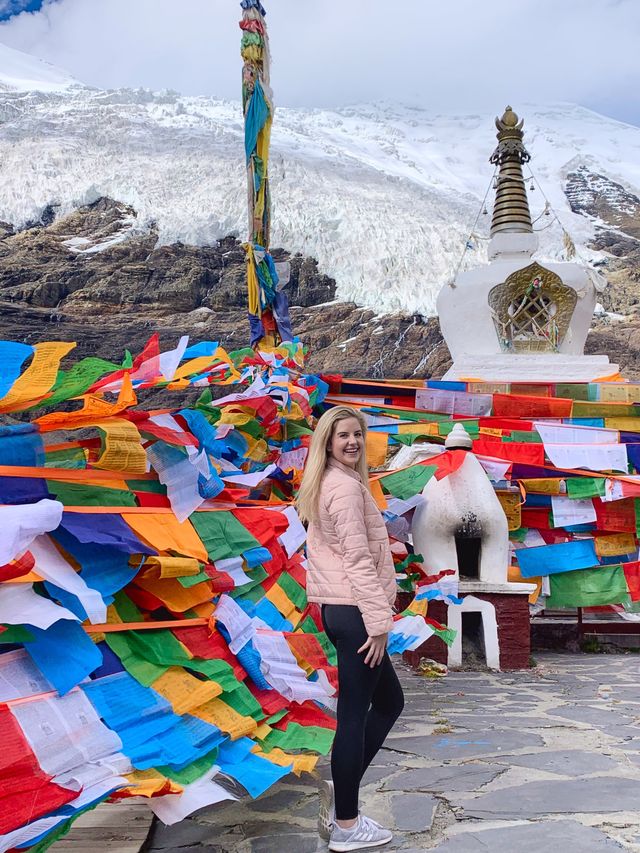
(461, 526)
(518, 319)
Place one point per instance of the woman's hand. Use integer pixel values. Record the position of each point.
(375, 647)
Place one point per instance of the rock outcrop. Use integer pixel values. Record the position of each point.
(98, 277)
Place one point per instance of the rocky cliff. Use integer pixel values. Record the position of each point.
(97, 277)
(100, 278)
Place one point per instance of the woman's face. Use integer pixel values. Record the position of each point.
(347, 442)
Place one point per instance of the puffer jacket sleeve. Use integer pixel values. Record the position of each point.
(345, 506)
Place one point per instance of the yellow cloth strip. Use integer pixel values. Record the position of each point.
(542, 486)
(170, 567)
(184, 691)
(229, 721)
(149, 783)
(301, 763)
(38, 378)
(123, 450)
(615, 545)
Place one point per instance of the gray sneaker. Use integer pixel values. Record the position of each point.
(365, 833)
(327, 814)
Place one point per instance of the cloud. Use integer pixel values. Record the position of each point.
(453, 56)
(8, 8)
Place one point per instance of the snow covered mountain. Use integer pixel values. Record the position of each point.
(383, 196)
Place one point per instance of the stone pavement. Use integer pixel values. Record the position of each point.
(505, 762)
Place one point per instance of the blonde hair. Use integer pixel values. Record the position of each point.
(309, 492)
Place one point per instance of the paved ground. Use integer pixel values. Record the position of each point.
(508, 762)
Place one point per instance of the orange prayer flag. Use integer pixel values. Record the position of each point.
(166, 533)
(378, 494)
(377, 444)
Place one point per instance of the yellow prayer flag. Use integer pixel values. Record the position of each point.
(620, 393)
(629, 424)
(543, 486)
(170, 567)
(123, 450)
(229, 721)
(301, 763)
(38, 378)
(184, 691)
(615, 545)
(150, 783)
(510, 503)
(278, 597)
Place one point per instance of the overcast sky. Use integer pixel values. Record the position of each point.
(445, 55)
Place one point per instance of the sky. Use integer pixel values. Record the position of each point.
(448, 56)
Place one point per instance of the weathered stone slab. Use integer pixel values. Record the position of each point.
(463, 745)
(278, 842)
(570, 762)
(594, 716)
(478, 722)
(413, 812)
(275, 800)
(450, 777)
(566, 835)
(602, 795)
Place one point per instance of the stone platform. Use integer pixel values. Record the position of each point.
(543, 759)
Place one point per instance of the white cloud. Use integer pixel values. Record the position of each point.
(457, 55)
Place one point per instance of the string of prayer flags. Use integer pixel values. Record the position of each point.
(152, 581)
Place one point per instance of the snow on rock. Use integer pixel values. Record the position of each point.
(21, 72)
(383, 196)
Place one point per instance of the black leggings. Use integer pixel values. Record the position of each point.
(369, 703)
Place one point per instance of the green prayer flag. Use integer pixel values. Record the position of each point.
(296, 736)
(588, 587)
(585, 487)
(242, 700)
(292, 589)
(192, 772)
(275, 718)
(408, 482)
(222, 534)
(15, 634)
(80, 494)
(297, 429)
(524, 436)
(471, 426)
(573, 392)
(77, 380)
(518, 535)
(193, 580)
(70, 458)
(154, 486)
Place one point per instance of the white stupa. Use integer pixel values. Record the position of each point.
(519, 320)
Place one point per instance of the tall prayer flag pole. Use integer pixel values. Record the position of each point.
(268, 307)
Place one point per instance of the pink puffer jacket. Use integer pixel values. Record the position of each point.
(349, 561)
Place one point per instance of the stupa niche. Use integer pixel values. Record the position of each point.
(518, 319)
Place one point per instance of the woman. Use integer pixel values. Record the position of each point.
(351, 574)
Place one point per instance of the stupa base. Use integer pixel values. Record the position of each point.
(529, 367)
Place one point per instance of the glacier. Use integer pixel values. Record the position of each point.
(384, 196)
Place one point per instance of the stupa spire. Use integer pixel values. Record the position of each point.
(511, 209)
